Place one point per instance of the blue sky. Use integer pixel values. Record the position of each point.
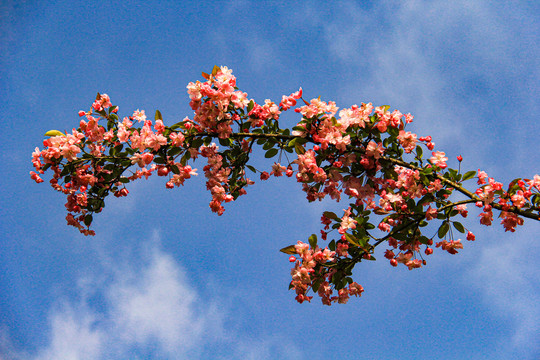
(165, 278)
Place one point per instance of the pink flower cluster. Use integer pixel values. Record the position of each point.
(519, 195)
(308, 269)
(217, 178)
(359, 152)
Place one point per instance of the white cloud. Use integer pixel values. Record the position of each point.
(7, 348)
(153, 307)
(507, 274)
(423, 54)
(157, 305)
(74, 335)
(130, 310)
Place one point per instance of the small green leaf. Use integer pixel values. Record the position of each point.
(332, 245)
(419, 152)
(351, 239)
(469, 175)
(185, 158)
(174, 151)
(271, 153)
(53, 133)
(268, 145)
(291, 250)
(299, 149)
(443, 230)
(251, 168)
(158, 115)
(459, 227)
(331, 215)
(316, 284)
(313, 241)
(88, 220)
(251, 105)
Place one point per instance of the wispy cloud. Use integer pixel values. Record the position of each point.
(153, 306)
(403, 58)
(440, 60)
(507, 275)
(148, 308)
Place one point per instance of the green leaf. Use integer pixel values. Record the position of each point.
(224, 142)
(316, 284)
(291, 250)
(443, 230)
(469, 175)
(271, 153)
(158, 116)
(268, 145)
(299, 149)
(369, 226)
(419, 152)
(392, 131)
(88, 220)
(251, 105)
(351, 239)
(251, 168)
(331, 215)
(459, 227)
(174, 151)
(196, 143)
(313, 241)
(185, 158)
(332, 245)
(53, 133)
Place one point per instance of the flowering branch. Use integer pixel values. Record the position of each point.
(362, 153)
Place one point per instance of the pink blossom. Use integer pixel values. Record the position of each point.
(518, 199)
(462, 208)
(139, 115)
(407, 140)
(482, 176)
(347, 222)
(278, 169)
(439, 159)
(374, 150)
(431, 214)
(35, 177)
(450, 246)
